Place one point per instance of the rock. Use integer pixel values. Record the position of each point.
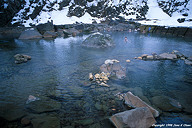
(113, 68)
(150, 58)
(139, 58)
(49, 34)
(103, 84)
(167, 56)
(108, 61)
(166, 103)
(181, 20)
(30, 34)
(135, 102)
(43, 105)
(25, 121)
(85, 122)
(21, 58)
(188, 62)
(178, 54)
(135, 118)
(190, 58)
(42, 28)
(98, 40)
(31, 99)
(60, 32)
(128, 61)
(144, 56)
(97, 76)
(71, 32)
(91, 76)
(45, 121)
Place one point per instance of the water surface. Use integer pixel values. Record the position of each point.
(58, 75)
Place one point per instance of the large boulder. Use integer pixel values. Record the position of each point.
(98, 40)
(30, 34)
(135, 102)
(135, 118)
(113, 68)
(42, 28)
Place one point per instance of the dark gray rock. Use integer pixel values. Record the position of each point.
(42, 28)
(135, 118)
(43, 105)
(98, 40)
(166, 103)
(30, 34)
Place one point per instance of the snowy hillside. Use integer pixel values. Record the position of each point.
(158, 12)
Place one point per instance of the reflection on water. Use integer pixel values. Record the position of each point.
(58, 75)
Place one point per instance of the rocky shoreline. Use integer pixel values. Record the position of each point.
(49, 30)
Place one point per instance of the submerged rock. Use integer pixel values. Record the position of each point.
(166, 103)
(43, 105)
(98, 40)
(30, 34)
(45, 121)
(21, 58)
(135, 102)
(135, 118)
(31, 99)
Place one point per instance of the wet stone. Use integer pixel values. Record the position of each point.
(166, 103)
(85, 122)
(45, 121)
(43, 105)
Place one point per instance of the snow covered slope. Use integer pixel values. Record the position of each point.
(157, 12)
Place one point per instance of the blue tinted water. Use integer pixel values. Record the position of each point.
(59, 70)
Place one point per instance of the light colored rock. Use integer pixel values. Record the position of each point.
(135, 102)
(150, 58)
(108, 61)
(188, 62)
(113, 69)
(91, 76)
(103, 84)
(167, 56)
(114, 60)
(21, 58)
(135, 118)
(139, 58)
(97, 76)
